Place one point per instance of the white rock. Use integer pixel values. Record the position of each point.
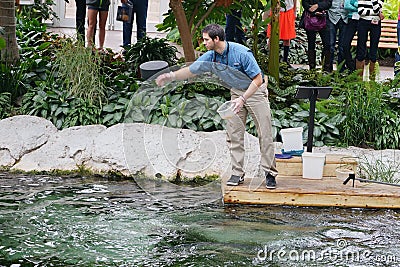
(64, 150)
(21, 135)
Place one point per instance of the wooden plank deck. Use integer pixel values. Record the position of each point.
(328, 192)
(293, 190)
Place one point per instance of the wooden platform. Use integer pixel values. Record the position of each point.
(328, 192)
(294, 190)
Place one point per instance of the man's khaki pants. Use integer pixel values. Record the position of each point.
(258, 107)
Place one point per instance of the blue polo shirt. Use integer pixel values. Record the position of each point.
(236, 66)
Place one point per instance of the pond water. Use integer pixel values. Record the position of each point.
(78, 221)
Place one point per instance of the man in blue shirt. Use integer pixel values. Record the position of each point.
(236, 66)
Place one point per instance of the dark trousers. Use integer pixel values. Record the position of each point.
(398, 32)
(312, 38)
(334, 29)
(374, 30)
(80, 19)
(233, 29)
(140, 9)
(350, 30)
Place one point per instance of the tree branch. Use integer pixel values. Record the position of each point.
(203, 18)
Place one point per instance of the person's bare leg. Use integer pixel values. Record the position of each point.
(102, 28)
(92, 21)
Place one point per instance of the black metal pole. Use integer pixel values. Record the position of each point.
(313, 100)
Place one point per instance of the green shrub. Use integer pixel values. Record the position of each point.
(148, 49)
(80, 69)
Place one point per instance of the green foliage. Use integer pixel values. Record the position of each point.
(363, 108)
(114, 111)
(2, 41)
(80, 69)
(326, 130)
(165, 106)
(147, 49)
(5, 105)
(254, 9)
(380, 169)
(390, 9)
(12, 79)
(195, 11)
(41, 10)
(60, 107)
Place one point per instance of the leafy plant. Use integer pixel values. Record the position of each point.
(168, 107)
(148, 49)
(5, 105)
(199, 14)
(380, 169)
(41, 10)
(60, 107)
(390, 9)
(326, 131)
(12, 79)
(2, 40)
(81, 70)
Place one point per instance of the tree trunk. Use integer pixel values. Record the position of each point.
(184, 29)
(7, 20)
(273, 65)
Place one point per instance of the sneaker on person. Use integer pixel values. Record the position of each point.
(235, 180)
(270, 181)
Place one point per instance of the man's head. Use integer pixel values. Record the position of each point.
(214, 31)
(213, 36)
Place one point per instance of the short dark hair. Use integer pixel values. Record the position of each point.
(214, 30)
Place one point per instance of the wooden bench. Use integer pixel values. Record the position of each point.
(388, 36)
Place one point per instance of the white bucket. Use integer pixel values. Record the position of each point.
(226, 110)
(313, 165)
(292, 139)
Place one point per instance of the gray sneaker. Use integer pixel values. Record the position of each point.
(235, 180)
(270, 181)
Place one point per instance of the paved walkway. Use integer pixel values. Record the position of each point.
(114, 40)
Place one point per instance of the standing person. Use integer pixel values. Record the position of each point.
(237, 67)
(350, 29)
(318, 8)
(80, 17)
(337, 21)
(397, 63)
(287, 30)
(370, 12)
(234, 29)
(140, 8)
(97, 7)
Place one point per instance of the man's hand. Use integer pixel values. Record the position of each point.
(313, 8)
(165, 78)
(239, 103)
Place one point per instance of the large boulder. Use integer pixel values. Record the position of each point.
(34, 144)
(65, 150)
(21, 135)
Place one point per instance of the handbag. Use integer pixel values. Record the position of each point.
(314, 22)
(124, 13)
